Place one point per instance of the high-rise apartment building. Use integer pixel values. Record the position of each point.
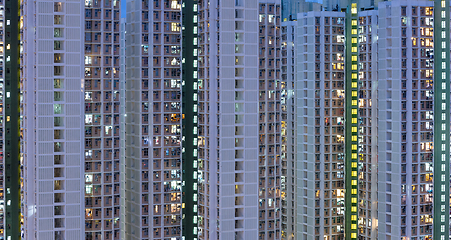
(401, 52)
(414, 119)
(228, 117)
(320, 120)
(51, 118)
(153, 184)
(328, 39)
(203, 120)
(69, 120)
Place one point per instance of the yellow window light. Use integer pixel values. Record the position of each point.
(354, 8)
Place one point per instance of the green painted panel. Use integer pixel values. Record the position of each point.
(12, 123)
(441, 120)
(189, 110)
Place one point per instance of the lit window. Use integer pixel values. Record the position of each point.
(88, 60)
(174, 4)
(88, 189)
(175, 27)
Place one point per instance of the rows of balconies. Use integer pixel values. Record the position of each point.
(96, 225)
(168, 39)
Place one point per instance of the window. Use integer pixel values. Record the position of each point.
(58, 20)
(88, 13)
(58, 32)
(58, 108)
(58, 70)
(58, 57)
(58, 7)
(58, 96)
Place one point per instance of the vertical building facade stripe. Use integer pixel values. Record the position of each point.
(441, 120)
(12, 123)
(351, 125)
(189, 119)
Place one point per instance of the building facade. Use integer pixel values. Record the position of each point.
(194, 97)
(270, 120)
(288, 116)
(153, 172)
(102, 119)
(237, 125)
(412, 114)
(69, 120)
(396, 131)
(52, 116)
